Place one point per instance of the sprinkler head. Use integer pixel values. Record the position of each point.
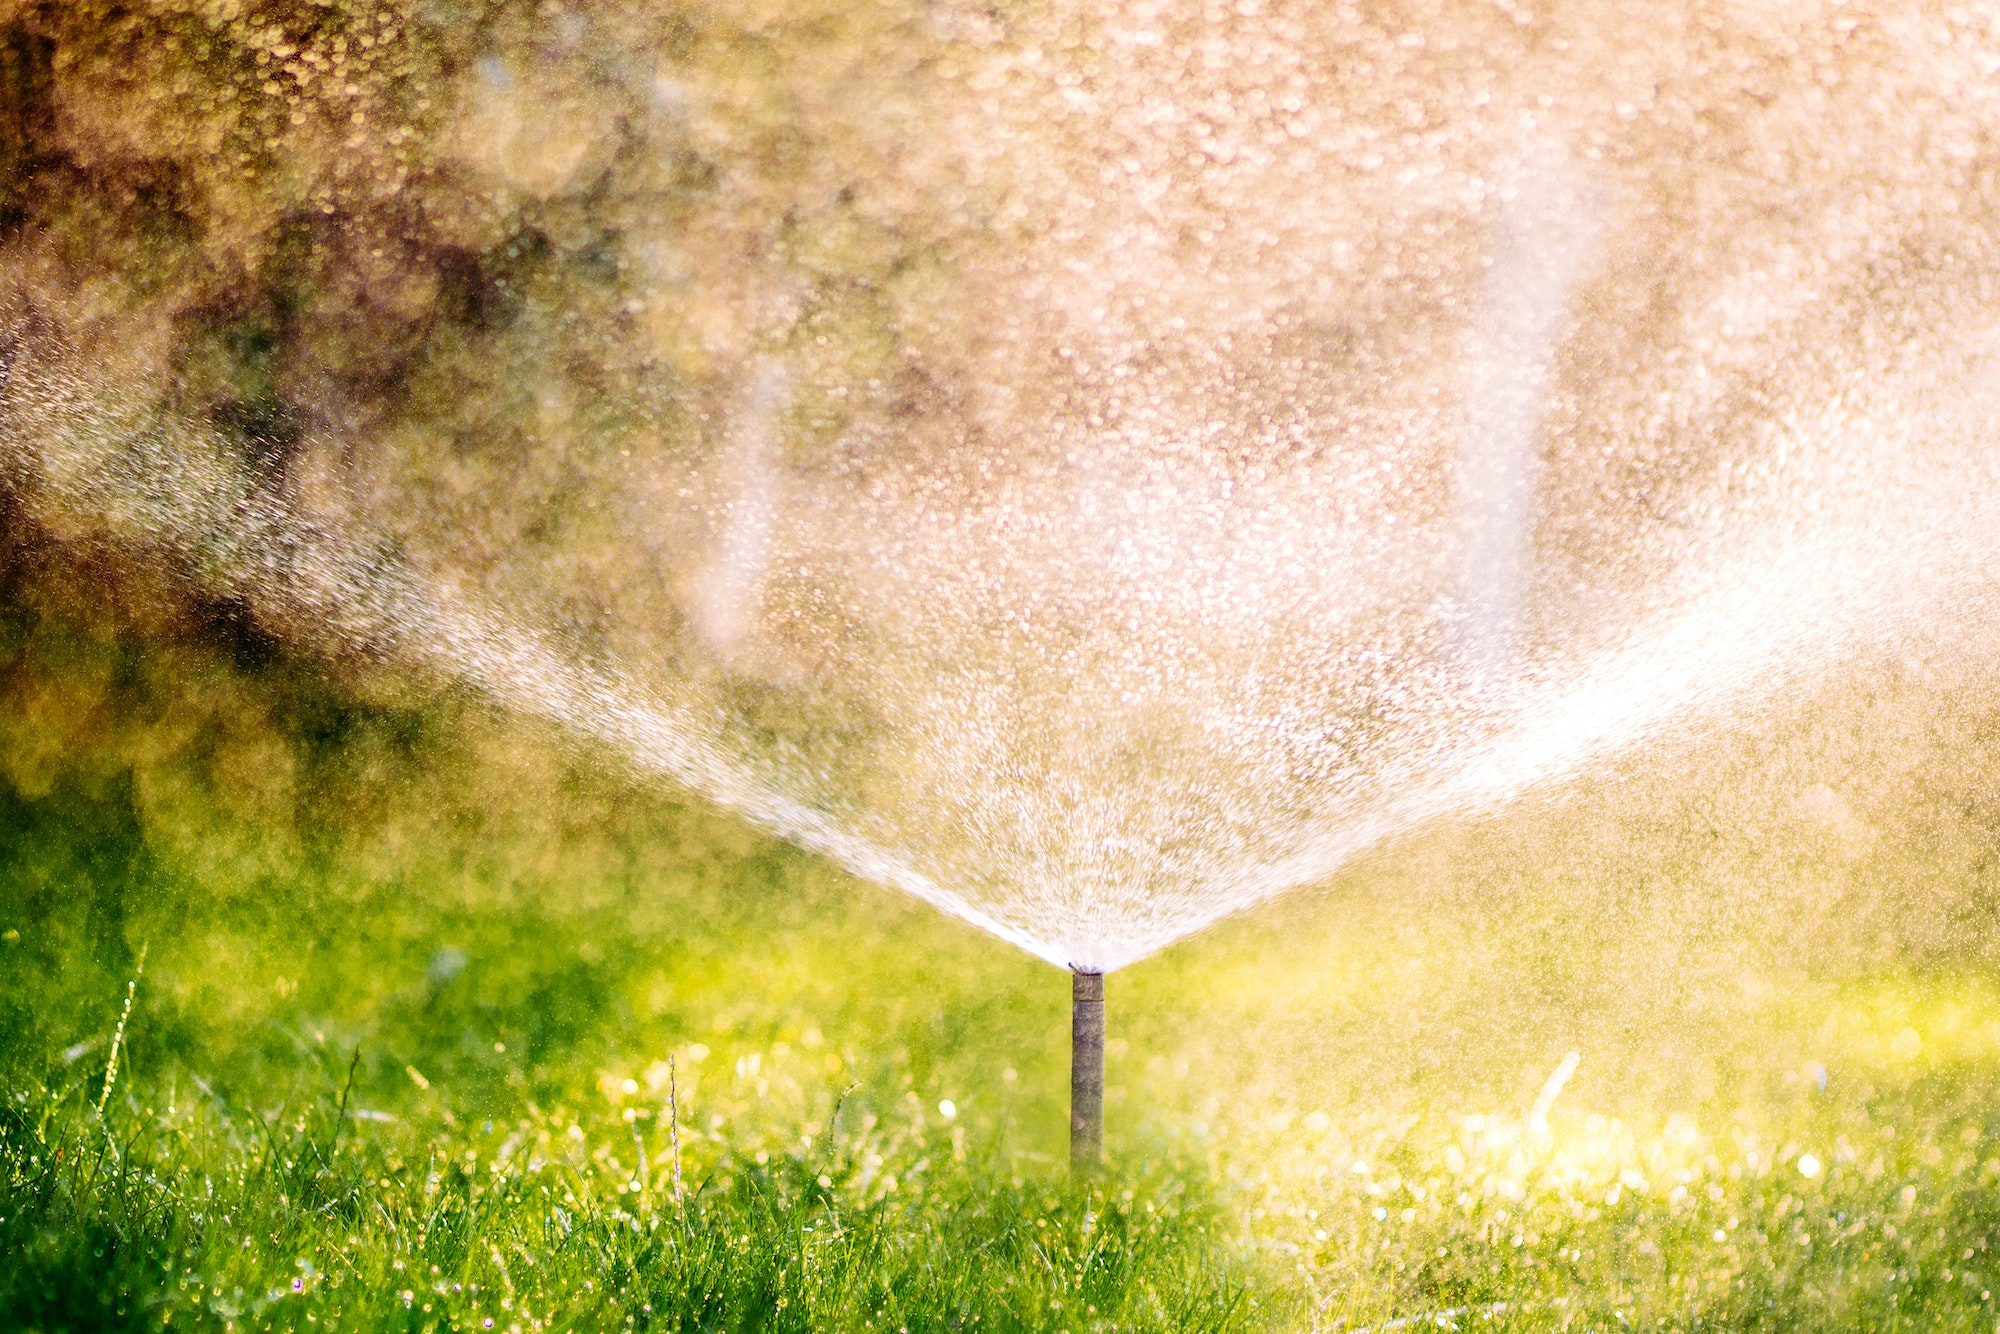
(1086, 1073)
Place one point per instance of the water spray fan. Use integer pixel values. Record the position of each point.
(1091, 575)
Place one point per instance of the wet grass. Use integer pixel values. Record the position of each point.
(209, 1215)
(336, 1184)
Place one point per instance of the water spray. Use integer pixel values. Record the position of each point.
(1086, 1072)
(1085, 647)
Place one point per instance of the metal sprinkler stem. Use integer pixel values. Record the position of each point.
(1086, 1073)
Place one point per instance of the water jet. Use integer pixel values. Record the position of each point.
(1086, 1072)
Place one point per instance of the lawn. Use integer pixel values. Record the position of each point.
(336, 1000)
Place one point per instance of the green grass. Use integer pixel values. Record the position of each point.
(434, 1006)
(209, 1214)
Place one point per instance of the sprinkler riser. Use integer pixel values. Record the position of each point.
(1086, 1072)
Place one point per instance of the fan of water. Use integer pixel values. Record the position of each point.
(1126, 459)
